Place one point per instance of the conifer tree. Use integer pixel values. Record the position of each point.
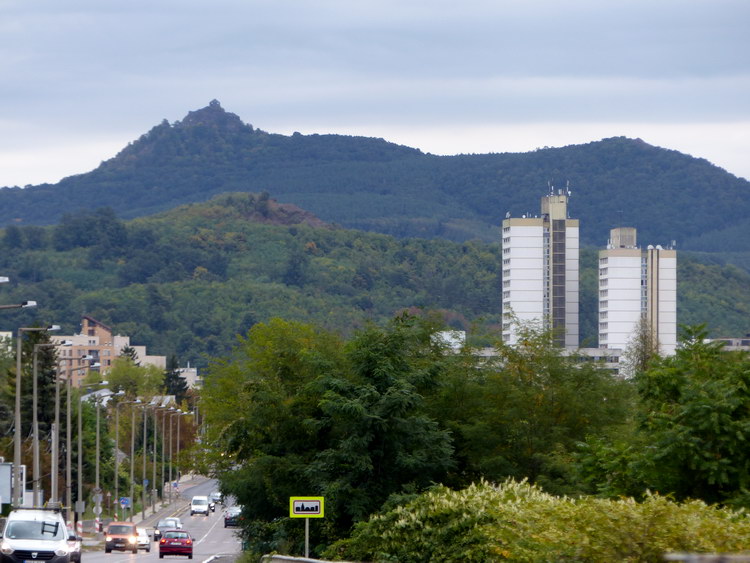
(174, 383)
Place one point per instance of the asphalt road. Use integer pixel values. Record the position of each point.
(211, 540)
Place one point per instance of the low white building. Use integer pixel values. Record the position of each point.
(190, 375)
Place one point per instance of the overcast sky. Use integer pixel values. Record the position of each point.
(80, 79)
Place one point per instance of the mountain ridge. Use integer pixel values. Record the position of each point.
(371, 184)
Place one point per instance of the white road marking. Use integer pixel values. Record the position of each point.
(209, 531)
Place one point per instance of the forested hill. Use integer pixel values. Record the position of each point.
(189, 280)
(371, 184)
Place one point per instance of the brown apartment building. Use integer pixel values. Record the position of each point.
(95, 348)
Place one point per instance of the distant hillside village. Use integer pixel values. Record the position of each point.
(96, 347)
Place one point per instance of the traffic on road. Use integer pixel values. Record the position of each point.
(199, 536)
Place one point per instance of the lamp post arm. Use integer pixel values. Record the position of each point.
(23, 305)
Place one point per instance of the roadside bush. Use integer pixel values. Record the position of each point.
(518, 522)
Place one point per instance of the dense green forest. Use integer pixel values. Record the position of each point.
(186, 282)
(371, 184)
(423, 453)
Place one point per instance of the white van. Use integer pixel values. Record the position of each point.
(199, 505)
(31, 533)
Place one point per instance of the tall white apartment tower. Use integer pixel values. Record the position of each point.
(540, 271)
(637, 284)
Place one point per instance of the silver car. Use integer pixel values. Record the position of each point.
(166, 524)
(144, 542)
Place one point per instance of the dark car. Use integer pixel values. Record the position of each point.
(176, 542)
(232, 516)
(214, 499)
(121, 536)
(166, 524)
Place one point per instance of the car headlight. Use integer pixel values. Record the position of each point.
(6, 549)
(132, 539)
(109, 538)
(62, 551)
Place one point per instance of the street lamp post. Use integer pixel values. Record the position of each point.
(143, 475)
(55, 461)
(177, 464)
(68, 434)
(132, 461)
(117, 457)
(79, 503)
(178, 413)
(17, 434)
(56, 426)
(170, 415)
(163, 451)
(163, 474)
(97, 488)
(35, 427)
(117, 445)
(153, 465)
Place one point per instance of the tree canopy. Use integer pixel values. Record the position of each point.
(692, 432)
(371, 421)
(185, 283)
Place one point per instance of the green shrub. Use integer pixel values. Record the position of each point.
(518, 522)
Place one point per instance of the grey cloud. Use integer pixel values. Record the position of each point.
(121, 67)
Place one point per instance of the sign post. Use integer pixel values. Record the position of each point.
(306, 507)
(97, 506)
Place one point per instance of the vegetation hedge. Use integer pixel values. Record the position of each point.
(516, 521)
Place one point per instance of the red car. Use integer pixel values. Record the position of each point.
(175, 542)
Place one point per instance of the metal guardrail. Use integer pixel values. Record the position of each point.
(684, 557)
(290, 559)
(708, 557)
